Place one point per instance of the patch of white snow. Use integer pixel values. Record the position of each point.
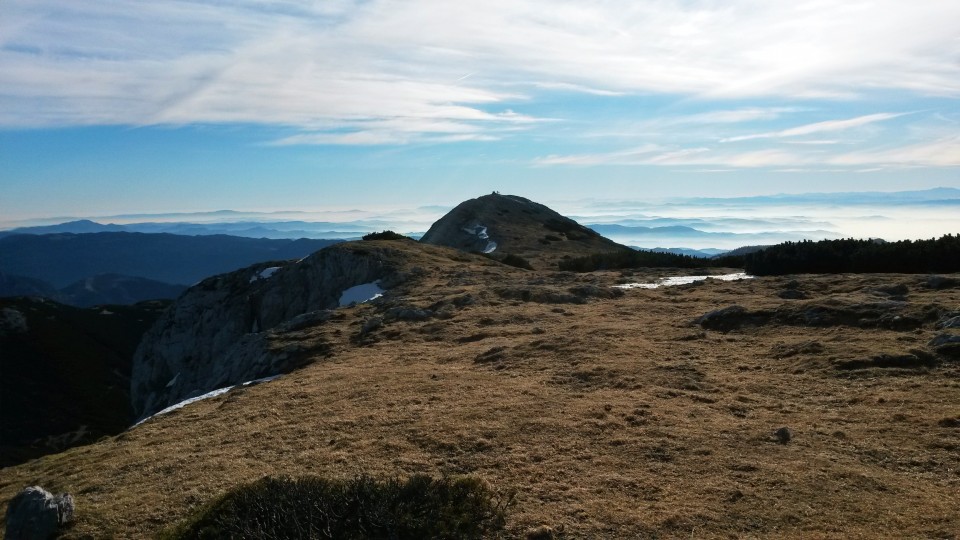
(683, 280)
(359, 294)
(184, 403)
(265, 273)
(481, 232)
(210, 394)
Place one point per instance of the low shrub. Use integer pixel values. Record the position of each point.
(385, 235)
(516, 261)
(312, 507)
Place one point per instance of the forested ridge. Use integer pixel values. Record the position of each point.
(857, 256)
(940, 255)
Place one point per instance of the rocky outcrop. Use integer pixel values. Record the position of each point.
(946, 344)
(216, 334)
(888, 315)
(12, 322)
(37, 514)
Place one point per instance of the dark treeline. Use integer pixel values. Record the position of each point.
(645, 259)
(939, 255)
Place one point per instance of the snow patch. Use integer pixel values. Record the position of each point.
(210, 394)
(359, 294)
(265, 273)
(106, 312)
(481, 232)
(683, 280)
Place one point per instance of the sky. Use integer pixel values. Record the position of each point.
(123, 106)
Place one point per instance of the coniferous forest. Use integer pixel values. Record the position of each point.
(939, 255)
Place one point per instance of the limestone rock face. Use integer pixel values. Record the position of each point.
(214, 335)
(37, 514)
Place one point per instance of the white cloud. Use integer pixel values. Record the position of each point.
(733, 116)
(306, 64)
(943, 152)
(569, 87)
(818, 127)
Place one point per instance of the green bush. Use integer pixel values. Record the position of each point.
(312, 507)
(385, 235)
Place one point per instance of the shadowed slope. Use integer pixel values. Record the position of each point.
(65, 373)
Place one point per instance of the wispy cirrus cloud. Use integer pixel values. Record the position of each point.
(304, 64)
(827, 126)
(731, 116)
(943, 152)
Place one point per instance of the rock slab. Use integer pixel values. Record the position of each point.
(37, 514)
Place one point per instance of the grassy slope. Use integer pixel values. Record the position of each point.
(615, 418)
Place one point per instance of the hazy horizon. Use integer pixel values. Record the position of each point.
(715, 223)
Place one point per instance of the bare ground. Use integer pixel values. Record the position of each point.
(614, 418)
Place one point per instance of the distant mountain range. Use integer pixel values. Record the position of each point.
(688, 235)
(702, 253)
(117, 289)
(62, 260)
(289, 230)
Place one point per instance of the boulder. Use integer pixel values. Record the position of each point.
(941, 282)
(12, 322)
(792, 294)
(950, 320)
(731, 318)
(946, 344)
(371, 324)
(37, 514)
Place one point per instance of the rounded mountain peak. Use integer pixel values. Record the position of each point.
(501, 225)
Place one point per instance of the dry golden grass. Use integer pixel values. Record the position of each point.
(611, 419)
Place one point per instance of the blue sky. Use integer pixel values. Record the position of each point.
(124, 106)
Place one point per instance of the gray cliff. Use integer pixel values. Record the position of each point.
(217, 333)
